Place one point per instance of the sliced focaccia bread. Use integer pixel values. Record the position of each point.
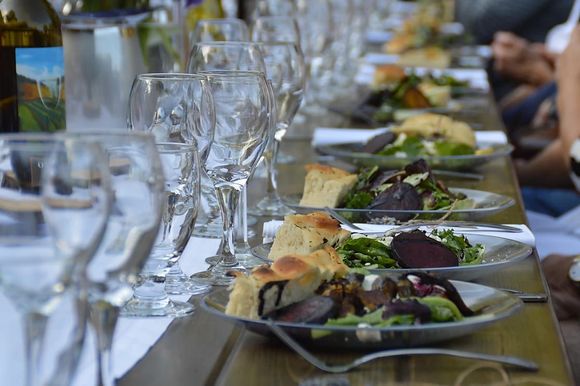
(305, 233)
(288, 280)
(433, 125)
(326, 186)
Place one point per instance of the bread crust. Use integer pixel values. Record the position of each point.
(306, 233)
(326, 186)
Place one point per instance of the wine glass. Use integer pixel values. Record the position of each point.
(179, 108)
(230, 56)
(243, 117)
(276, 29)
(274, 8)
(285, 68)
(137, 183)
(180, 164)
(210, 30)
(38, 261)
(241, 56)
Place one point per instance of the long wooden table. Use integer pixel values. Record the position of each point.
(206, 350)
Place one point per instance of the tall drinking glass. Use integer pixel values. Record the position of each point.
(243, 113)
(137, 183)
(179, 108)
(38, 262)
(285, 68)
(181, 169)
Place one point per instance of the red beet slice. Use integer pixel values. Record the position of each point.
(400, 196)
(315, 310)
(378, 142)
(451, 292)
(417, 250)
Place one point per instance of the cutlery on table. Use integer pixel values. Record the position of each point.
(332, 368)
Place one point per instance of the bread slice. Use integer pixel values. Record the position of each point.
(430, 125)
(305, 233)
(432, 57)
(326, 186)
(288, 280)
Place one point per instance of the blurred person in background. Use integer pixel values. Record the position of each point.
(516, 30)
(559, 164)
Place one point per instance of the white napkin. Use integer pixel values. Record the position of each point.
(476, 77)
(134, 336)
(331, 136)
(525, 236)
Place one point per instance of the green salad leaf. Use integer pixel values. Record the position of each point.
(467, 253)
(365, 252)
(446, 148)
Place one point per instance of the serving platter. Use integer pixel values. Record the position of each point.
(499, 253)
(490, 304)
(481, 204)
(352, 153)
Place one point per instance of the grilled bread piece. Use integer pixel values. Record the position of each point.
(326, 186)
(305, 233)
(432, 125)
(288, 280)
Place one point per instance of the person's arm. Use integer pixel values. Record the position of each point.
(547, 169)
(565, 294)
(568, 75)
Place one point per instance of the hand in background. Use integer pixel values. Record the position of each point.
(565, 294)
(517, 58)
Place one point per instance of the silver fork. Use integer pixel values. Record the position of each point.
(342, 219)
(332, 368)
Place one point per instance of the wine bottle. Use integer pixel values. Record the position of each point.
(31, 67)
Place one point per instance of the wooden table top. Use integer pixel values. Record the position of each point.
(206, 350)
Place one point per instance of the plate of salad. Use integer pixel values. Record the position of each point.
(440, 250)
(406, 194)
(366, 312)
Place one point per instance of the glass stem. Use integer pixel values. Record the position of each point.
(271, 165)
(104, 316)
(228, 197)
(241, 234)
(35, 327)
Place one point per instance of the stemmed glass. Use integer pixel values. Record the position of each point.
(181, 168)
(214, 30)
(276, 29)
(39, 262)
(178, 108)
(285, 68)
(274, 8)
(230, 56)
(243, 117)
(137, 183)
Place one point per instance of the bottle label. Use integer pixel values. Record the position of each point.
(40, 85)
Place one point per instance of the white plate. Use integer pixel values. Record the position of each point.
(491, 305)
(499, 253)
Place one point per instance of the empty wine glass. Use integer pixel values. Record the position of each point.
(38, 261)
(180, 166)
(276, 29)
(243, 117)
(137, 183)
(179, 108)
(240, 56)
(285, 68)
(230, 56)
(215, 30)
(273, 8)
